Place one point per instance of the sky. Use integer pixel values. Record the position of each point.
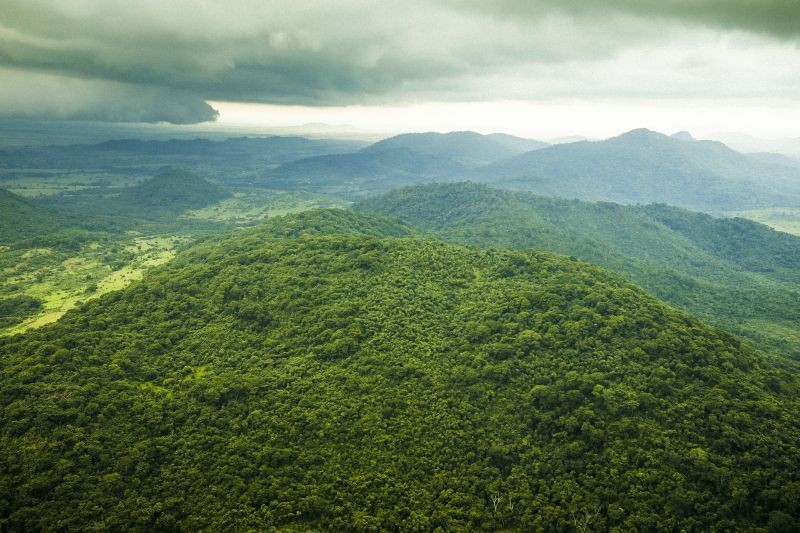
(538, 68)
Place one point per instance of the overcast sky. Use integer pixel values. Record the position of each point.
(533, 67)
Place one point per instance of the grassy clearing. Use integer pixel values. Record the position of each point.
(62, 281)
(786, 219)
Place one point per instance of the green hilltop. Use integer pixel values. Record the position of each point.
(329, 371)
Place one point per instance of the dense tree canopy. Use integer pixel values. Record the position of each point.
(329, 371)
(733, 273)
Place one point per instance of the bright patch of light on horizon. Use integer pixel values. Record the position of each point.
(540, 120)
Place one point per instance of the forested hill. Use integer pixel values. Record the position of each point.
(733, 273)
(20, 218)
(172, 191)
(25, 223)
(324, 371)
(159, 199)
(747, 244)
(643, 166)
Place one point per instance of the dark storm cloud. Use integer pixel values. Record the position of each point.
(162, 60)
(39, 95)
(775, 18)
(293, 52)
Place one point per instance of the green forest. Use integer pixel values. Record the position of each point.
(733, 273)
(331, 370)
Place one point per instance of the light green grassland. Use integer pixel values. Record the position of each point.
(249, 207)
(786, 219)
(61, 281)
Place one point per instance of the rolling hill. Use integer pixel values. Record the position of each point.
(21, 218)
(734, 273)
(165, 194)
(642, 167)
(25, 223)
(327, 371)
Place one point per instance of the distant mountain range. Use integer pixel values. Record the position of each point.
(278, 148)
(400, 160)
(364, 172)
(236, 160)
(638, 167)
(643, 166)
(750, 144)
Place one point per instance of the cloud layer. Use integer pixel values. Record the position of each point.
(161, 61)
(775, 18)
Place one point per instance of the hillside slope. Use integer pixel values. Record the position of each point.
(26, 223)
(21, 218)
(734, 273)
(309, 375)
(645, 167)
